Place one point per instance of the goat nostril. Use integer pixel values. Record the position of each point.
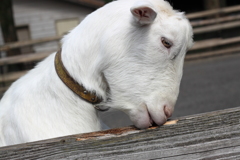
(167, 112)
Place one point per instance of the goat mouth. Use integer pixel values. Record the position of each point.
(156, 121)
(146, 118)
(153, 123)
(151, 120)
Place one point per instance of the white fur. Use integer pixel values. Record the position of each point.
(113, 53)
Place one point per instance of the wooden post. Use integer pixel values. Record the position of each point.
(7, 24)
(8, 32)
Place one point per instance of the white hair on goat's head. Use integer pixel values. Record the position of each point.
(143, 54)
(129, 52)
(137, 59)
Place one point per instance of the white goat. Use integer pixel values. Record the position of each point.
(130, 52)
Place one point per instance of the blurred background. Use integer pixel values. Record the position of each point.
(30, 30)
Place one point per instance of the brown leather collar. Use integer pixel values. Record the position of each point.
(72, 84)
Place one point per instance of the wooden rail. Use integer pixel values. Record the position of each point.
(13, 45)
(12, 76)
(214, 43)
(216, 27)
(214, 135)
(24, 58)
(213, 12)
(90, 3)
(215, 20)
(206, 54)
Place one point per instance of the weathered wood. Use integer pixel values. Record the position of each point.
(214, 43)
(213, 12)
(89, 3)
(3, 89)
(24, 58)
(216, 27)
(9, 46)
(215, 20)
(214, 135)
(11, 76)
(7, 24)
(8, 29)
(224, 51)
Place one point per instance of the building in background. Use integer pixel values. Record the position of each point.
(36, 19)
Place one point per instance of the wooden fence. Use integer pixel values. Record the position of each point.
(214, 135)
(210, 28)
(215, 31)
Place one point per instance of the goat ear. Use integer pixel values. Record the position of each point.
(143, 13)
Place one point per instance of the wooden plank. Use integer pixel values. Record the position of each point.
(216, 27)
(24, 58)
(90, 3)
(214, 43)
(207, 13)
(211, 135)
(3, 89)
(7, 25)
(215, 20)
(213, 53)
(9, 46)
(12, 76)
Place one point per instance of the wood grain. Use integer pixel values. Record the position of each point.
(214, 43)
(217, 20)
(217, 27)
(212, 12)
(24, 58)
(12, 76)
(90, 3)
(13, 45)
(214, 135)
(206, 54)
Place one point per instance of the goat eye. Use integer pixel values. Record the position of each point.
(166, 42)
